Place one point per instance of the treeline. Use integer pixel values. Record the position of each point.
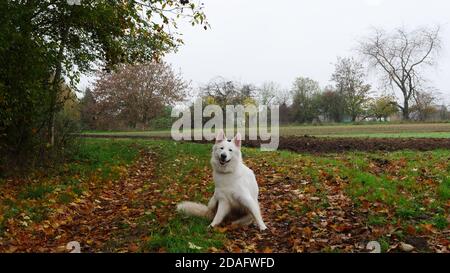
(141, 97)
(399, 59)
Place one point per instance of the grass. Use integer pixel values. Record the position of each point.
(409, 183)
(35, 191)
(185, 235)
(383, 130)
(376, 220)
(444, 189)
(407, 187)
(384, 243)
(409, 194)
(102, 157)
(440, 222)
(181, 164)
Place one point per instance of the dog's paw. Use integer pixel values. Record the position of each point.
(262, 227)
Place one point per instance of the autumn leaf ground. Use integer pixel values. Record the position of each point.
(120, 196)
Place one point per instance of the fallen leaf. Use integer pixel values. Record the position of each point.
(194, 246)
(406, 247)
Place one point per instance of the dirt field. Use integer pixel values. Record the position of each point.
(330, 145)
(372, 130)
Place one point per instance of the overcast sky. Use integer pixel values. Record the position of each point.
(265, 40)
(254, 41)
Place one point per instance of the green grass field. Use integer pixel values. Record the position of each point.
(389, 197)
(414, 130)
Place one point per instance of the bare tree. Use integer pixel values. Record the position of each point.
(226, 92)
(268, 92)
(402, 56)
(271, 93)
(424, 107)
(349, 76)
(283, 96)
(135, 94)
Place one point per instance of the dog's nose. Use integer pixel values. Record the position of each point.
(223, 156)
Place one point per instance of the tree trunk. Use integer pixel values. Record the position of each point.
(405, 109)
(53, 100)
(55, 89)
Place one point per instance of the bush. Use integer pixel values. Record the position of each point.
(33, 150)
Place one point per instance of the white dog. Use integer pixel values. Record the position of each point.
(235, 187)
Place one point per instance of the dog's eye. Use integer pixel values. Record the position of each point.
(230, 150)
(221, 148)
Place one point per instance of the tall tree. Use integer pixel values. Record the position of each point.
(331, 104)
(402, 56)
(135, 94)
(349, 77)
(381, 108)
(303, 91)
(24, 85)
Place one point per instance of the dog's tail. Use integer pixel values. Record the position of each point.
(195, 209)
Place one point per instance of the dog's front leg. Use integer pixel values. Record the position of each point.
(253, 207)
(222, 210)
(212, 206)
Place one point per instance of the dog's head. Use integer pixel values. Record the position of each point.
(226, 153)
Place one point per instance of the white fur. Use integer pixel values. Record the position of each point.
(195, 209)
(235, 186)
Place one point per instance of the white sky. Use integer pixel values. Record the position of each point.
(266, 40)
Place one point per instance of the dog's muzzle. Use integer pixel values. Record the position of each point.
(223, 162)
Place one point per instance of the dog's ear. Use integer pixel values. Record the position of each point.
(237, 140)
(220, 136)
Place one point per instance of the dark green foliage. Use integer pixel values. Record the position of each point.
(45, 45)
(164, 121)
